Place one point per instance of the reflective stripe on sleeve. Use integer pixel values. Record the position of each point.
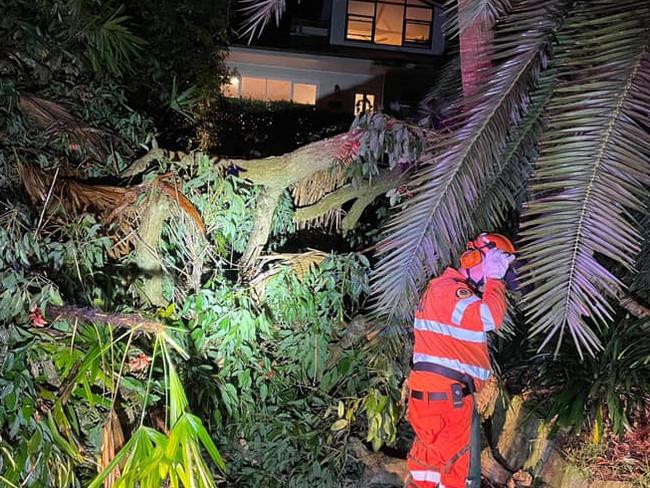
(450, 330)
(486, 318)
(475, 371)
(459, 310)
(432, 476)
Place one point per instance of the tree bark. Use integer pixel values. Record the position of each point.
(379, 469)
(267, 201)
(93, 316)
(475, 42)
(147, 246)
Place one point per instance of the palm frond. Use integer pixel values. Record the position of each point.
(58, 120)
(111, 46)
(259, 14)
(640, 283)
(432, 225)
(463, 13)
(592, 170)
(439, 100)
(506, 184)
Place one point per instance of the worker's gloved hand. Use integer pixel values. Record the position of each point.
(496, 263)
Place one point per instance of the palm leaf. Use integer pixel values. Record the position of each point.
(592, 170)
(506, 183)
(432, 225)
(258, 15)
(440, 101)
(461, 14)
(111, 46)
(641, 279)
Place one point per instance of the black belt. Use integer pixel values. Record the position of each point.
(431, 395)
(463, 378)
(458, 392)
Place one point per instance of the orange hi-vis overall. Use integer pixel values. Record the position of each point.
(450, 360)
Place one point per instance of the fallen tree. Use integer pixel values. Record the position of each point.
(321, 176)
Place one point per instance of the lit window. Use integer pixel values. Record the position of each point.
(363, 102)
(390, 22)
(231, 88)
(270, 90)
(278, 90)
(361, 17)
(304, 93)
(253, 88)
(418, 25)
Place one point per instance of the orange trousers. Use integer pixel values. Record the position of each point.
(440, 454)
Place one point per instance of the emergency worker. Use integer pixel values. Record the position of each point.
(451, 363)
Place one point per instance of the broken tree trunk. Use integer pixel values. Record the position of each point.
(88, 315)
(277, 174)
(146, 249)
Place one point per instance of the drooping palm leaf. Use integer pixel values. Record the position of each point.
(111, 45)
(440, 100)
(259, 14)
(592, 170)
(463, 13)
(506, 184)
(432, 225)
(640, 284)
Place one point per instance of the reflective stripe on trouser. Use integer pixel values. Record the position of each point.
(440, 453)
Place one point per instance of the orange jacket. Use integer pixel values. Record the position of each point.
(451, 326)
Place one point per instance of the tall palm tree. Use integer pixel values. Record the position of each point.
(558, 134)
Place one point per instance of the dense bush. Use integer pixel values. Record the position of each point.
(248, 128)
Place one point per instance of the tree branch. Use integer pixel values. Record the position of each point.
(267, 201)
(290, 168)
(278, 173)
(364, 196)
(93, 316)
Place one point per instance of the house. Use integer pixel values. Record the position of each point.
(346, 56)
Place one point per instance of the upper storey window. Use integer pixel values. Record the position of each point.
(390, 22)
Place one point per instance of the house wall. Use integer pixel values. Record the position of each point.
(337, 78)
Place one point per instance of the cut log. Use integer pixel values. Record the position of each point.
(379, 469)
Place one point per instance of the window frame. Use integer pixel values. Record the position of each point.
(405, 22)
(292, 84)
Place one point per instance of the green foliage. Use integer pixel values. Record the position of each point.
(111, 46)
(385, 142)
(273, 372)
(151, 459)
(167, 56)
(614, 383)
(266, 375)
(249, 128)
